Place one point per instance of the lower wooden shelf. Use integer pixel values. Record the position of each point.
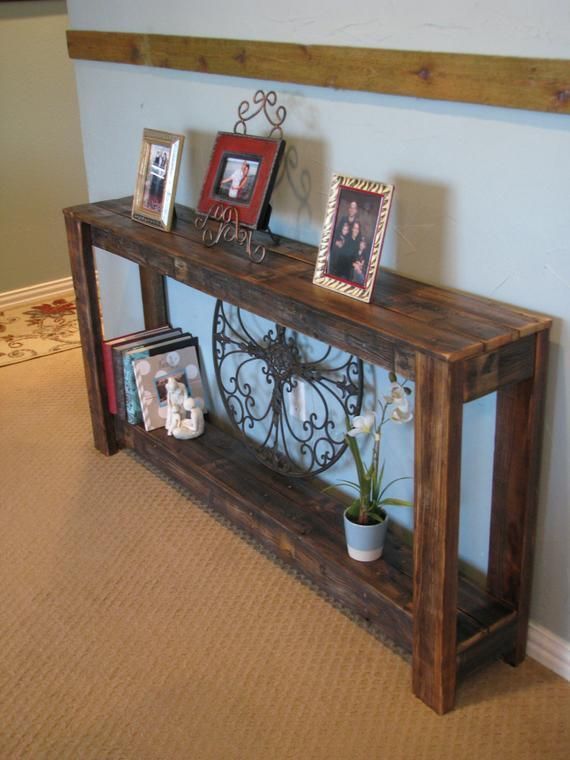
(303, 527)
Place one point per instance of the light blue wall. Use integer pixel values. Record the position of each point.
(481, 193)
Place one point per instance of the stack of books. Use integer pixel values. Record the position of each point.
(137, 367)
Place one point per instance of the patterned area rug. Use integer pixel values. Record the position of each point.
(37, 329)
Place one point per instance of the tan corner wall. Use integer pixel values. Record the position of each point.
(40, 143)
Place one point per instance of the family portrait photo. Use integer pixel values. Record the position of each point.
(354, 228)
(352, 237)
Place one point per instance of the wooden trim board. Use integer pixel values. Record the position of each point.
(535, 84)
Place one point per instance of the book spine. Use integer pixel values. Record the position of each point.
(132, 403)
(109, 377)
(144, 407)
(119, 383)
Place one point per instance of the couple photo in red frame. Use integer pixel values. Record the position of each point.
(242, 174)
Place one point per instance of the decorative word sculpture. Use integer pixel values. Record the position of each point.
(229, 229)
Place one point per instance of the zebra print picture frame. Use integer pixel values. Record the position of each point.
(353, 234)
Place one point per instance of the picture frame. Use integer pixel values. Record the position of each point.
(179, 359)
(242, 173)
(352, 237)
(157, 178)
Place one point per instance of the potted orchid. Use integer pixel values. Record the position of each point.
(365, 519)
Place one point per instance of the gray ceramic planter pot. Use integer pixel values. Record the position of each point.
(365, 542)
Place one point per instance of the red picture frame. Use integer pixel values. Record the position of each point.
(242, 174)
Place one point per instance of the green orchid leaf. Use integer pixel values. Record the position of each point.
(391, 483)
(354, 509)
(377, 492)
(375, 517)
(349, 483)
(395, 503)
(355, 451)
(342, 483)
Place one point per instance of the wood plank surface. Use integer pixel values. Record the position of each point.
(288, 526)
(303, 526)
(439, 415)
(518, 443)
(281, 289)
(492, 646)
(540, 84)
(82, 261)
(155, 310)
(512, 363)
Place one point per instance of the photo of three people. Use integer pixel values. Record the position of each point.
(351, 243)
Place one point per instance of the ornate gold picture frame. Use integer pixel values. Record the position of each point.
(352, 237)
(157, 177)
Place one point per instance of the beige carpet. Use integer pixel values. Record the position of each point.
(134, 625)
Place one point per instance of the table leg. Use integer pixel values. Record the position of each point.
(518, 437)
(438, 425)
(88, 316)
(153, 298)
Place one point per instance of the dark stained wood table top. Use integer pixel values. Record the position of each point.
(405, 316)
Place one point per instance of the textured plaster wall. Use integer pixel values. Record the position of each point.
(40, 143)
(481, 193)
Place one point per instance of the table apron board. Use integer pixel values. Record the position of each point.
(417, 597)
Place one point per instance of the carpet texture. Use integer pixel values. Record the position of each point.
(134, 625)
(38, 329)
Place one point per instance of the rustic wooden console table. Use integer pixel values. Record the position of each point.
(455, 347)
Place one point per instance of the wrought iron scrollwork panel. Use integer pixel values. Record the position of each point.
(288, 396)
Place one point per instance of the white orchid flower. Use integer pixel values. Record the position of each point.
(399, 398)
(363, 424)
(397, 394)
(400, 416)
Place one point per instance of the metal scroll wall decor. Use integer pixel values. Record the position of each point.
(288, 396)
(262, 103)
(227, 217)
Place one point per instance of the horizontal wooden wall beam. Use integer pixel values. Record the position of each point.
(536, 84)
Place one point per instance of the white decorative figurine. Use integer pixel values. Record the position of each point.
(196, 422)
(178, 403)
(176, 394)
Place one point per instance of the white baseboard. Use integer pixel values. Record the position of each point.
(36, 292)
(548, 649)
